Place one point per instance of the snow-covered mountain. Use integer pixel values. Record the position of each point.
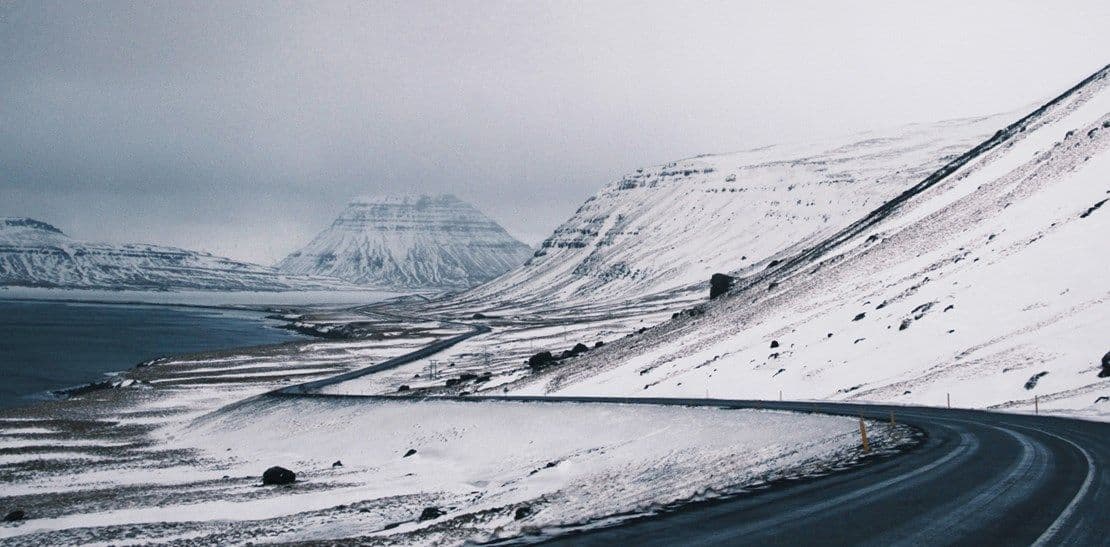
(36, 254)
(986, 280)
(673, 225)
(419, 242)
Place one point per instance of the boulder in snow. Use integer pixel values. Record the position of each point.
(278, 475)
(719, 284)
(430, 513)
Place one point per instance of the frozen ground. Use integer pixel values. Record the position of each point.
(495, 469)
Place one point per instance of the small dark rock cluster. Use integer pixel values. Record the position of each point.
(545, 359)
(410, 452)
(15, 515)
(541, 360)
(1105, 372)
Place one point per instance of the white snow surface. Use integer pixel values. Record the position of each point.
(990, 286)
(406, 242)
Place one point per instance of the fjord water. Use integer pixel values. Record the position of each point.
(53, 345)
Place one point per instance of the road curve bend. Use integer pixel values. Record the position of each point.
(978, 478)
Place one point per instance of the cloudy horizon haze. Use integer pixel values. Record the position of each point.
(244, 128)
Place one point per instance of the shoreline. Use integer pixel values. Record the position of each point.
(262, 318)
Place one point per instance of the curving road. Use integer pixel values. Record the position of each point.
(979, 478)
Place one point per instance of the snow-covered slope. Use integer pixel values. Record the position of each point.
(36, 254)
(673, 225)
(435, 242)
(988, 280)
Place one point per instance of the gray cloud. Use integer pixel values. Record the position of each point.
(242, 128)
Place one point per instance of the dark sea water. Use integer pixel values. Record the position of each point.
(53, 345)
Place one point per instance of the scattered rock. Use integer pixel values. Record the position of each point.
(15, 515)
(478, 316)
(830, 335)
(541, 361)
(719, 284)
(598, 344)
(278, 475)
(410, 452)
(1102, 399)
(1105, 372)
(1032, 383)
(337, 463)
(430, 513)
(403, 387)
(522, 512)
(949, 307)
(905, 324)
(1092, 209)
(774, 343)
(859, 316)
(858, 340)
(580, 348)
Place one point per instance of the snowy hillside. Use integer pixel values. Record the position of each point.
(36, 254)
(986, 280)
(437, 242)
(674, 225)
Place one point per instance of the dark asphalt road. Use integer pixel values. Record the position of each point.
(979, 478)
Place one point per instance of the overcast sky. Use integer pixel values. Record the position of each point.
(243, 128)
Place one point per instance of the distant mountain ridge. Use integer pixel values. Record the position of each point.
(37, 254)
(410, 242)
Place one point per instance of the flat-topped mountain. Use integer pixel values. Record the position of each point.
(436, 242)
(671, 226)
